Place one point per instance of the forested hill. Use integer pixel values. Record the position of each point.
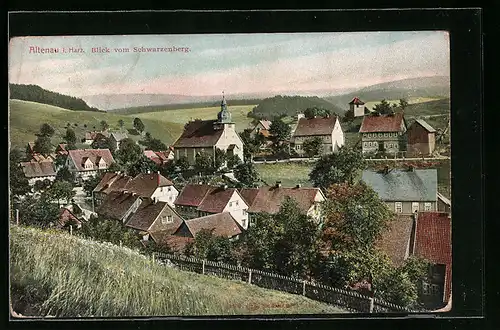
(36, 93)
(291, 106)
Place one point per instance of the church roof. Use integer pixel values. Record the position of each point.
(198, 133)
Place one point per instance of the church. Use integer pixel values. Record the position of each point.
(205, 136)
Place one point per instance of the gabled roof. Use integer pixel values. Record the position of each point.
(265, 123)
(433, 242)
(222, 224)
(118, 136)
(356, 100)
(66, 217)
(116, 204)
(382, 123)
(403, 186)
(315, 126)
(78, 156)
(38, 169)
(192, 195)
(61, 149)
(174, 242)
(145, 184)
(216, 199)
(112, 182)
(269, 199)
(159, 157)
(425, 125)
(198, 133)
(93, 135)
(395, 241)
(147, 213)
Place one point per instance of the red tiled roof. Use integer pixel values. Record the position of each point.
(356, 100)
(222, 224)
(67, 218)
(382, 123)
(147, 213)
(199, 133)
(79, 155)
(315, 126)
(269, 199)
(192, 195)
(38, 169)
(145, 184)
(95, 134)
(159, 157)
(394, 242)
(112, 182)
(216, 200)
(433, 241)
(266, 124)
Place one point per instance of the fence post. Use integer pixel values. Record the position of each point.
(371, 305)
(71, 230)
(249, 276)
(17, 217)
(153, 256)
(304, 288)
(203, 266)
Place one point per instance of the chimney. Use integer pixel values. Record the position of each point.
(298, 185)
(278, 184)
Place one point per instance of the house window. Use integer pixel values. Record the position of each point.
(161, 189)
(398, 207)
(427, 206)
(244, 223)
(414, 207)
(237, 203)
(169, 189)
(425, 288)
(170, 198)
(245, 212)
(331, 148)
(230, 204)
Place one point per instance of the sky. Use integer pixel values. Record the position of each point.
(234, 63)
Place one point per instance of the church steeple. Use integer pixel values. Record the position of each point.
(224, 116)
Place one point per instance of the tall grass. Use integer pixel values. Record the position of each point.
(66, 276)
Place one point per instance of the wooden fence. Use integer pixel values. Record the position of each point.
(349, 300)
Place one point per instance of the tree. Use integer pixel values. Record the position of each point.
(280, 130)
(46, 130)
(42, 185)
(233, 161)
(339, 167)
(312, 147)
(18, 183)
(138, 125)
(121, 123)
(383, 108)
(246, 174)
(403, 103)
(43, 145)
(104, 125)
(70, 136)
(219, 159)
(355, 217)
(102, 142)
(90, 184)
(155, 145)
(129, 152)
(207, 245)
(182, 163)
(61, 190)
(203, 163)
(39, 212)
(114, 167)
(142, 165)
(64, 174)
(250, 145)
(112, 231)
(348, 116)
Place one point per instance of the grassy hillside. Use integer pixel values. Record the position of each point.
(65, 276)
(434, 107)
(289, 174)
(182, 116)
(291, 106)
(26, 118)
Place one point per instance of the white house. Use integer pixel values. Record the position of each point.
(116, 139)
(154, 186)
(328, 129)
(86, 162)
(205, 136)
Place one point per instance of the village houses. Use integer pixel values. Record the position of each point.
(197, 200)
(205, 136)
(37, 157)
(405, 191)
(119, 205)
(90, 137)
(160, 158)
(39, 171)
(221, 224)
(146, 185)
(85, 163)
(383, 133)
(421, 139)
(262, 127)
(268, 199)
(326, 128)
